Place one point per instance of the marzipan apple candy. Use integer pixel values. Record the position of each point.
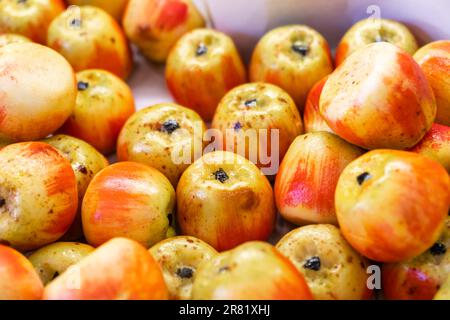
(379, 98)
(121, 269)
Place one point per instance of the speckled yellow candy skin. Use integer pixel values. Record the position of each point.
(101, 109)
(181, 252)
(9, 38)
(254, 271)
(372, 30)
(273, 109)
(86, 162)
(143, 139)
(156, 25)
(29, 18)
(89, 38)
(52, 260)
(225, 214)
(275, 62)
(40, 192)
(398, 212)
(342, 274)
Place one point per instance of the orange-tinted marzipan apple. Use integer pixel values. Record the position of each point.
(89, 38)
(37, 91)
(121, 269)
(225, 200)
(258, 110)
(312, 119)
(115, 8)
(434, 59)
(379, 98)
(18, 279)
(436, 145)
(255, 271)
(128, 199)
(420, 277)
(38, 195)
(331, 267)
(292, 57)
(373, 30)
(86, 162)
(392, 205)
(201, 68)
(9, 38)
(306, 181)
(104, 103)
(30, 18)
(156, 25)
(179, 258)
(165, 136)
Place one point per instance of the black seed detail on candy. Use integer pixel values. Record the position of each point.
(363, 177)
(170, 126)
(82, 169)
(202, 49)
(251, 103)
(224, 269)
(237, 126)
(300, 48)
(221, 175)
(75, 23)
(185, 273)
(82, 85)
(312, 263)
(438, 249)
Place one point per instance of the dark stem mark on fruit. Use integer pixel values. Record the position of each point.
(438, 249)
(170, 218)
(300, 48)
(251, 103)
(185, 273)
(55, 275)
(5, 242)
(75, 23)
(224, 269)
(22, 1)
(237, 126)
(170, 126)
(221, 175)
(202, 49)
(2, 202)
(379, 38)
(82, 169)
(363, 177)
(82, 85)
(312, 263)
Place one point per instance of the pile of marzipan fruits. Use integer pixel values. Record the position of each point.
(362, 140)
